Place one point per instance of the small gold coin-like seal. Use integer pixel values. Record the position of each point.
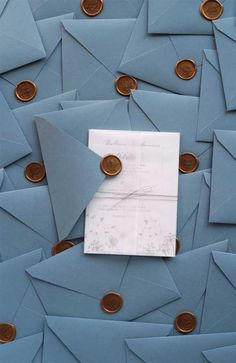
(185, 322)
(92, 7)
(7, 332)
(186, 69)
(211, 9)
(61, 246)
(125, 84)
(35, 172)
(25, 91)
(111, 165)
(188, 163)
(111, 303)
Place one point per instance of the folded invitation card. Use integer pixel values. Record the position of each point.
(135, 212)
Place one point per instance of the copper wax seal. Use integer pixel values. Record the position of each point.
(188, 163)
(35, 172)
(111, 165)
(211, 9)
(111, 303)
(61, 246)
(186, 69)
(125, 84)
(25, 91)
(185, 322)
(7, 332)
(92, 7)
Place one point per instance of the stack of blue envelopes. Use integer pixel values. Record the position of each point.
(61, 62)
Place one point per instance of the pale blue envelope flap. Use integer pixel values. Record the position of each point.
(189, 194)
(14, 282)
(91, 336)
(3, 3)
(73, 174)
(2, 175)
(50, 31)
(21, 350)
(227, 140)
(13, 144)
(226, 26)
(227, 263)
(207, 177)
(212, 58)
(176, 349)
(33, 208)
(106, 34)
(221, 355)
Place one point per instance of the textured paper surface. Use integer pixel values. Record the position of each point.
(134, 213)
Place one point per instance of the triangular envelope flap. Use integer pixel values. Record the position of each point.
(3, 4)
(21, 350)
(88, 342)
(227, 263)
(219, 355)
(176, 349)
(77, 121)
(73, 173)
(189, 194)
(227, 140)
(14, 282)
(212, 58)
(33, 208)
(165, 10)
(191, 288)
(207, 178)
(99, 35)
(2, 174)
(12, 151)
(88, 274)
(50, 31)
(226, 26)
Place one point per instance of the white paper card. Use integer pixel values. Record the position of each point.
(135, 212)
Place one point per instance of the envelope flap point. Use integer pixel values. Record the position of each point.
(207, 178)
(3, 4)
(228, 140)
(226, 26)
(223, 354)
(212, 58)
(227, 263)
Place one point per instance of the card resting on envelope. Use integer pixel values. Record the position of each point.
(135, 212)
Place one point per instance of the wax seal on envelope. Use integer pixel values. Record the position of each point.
(7, 332)
(35, 172)
(188, 163)
(185, 322)
(92, 7)
(126, 84)
(112, 302)
(25, 91)
(211, 9)
(61, 246)
(111, 165)
(186, 69)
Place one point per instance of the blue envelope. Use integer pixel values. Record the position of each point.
(188, 348)
(73, 171)
(223, 197)
(25, 118)
(19, 304)
(113, 9)
(13, 143)
(225, 36)
(78, 103)
(73, 284)
(181, 117)
(5, 183)
(92, 341)
(152, 58)
(224, 354)
(47, 73)
(184, 268)
(212, 109)
(92, 70)
(25, 350)
(27, 222)
(219, 313)
(19, 44)
(182, 16)
(206, 233)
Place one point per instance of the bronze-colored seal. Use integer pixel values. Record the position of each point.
(111, 303)
(188, 163)
(185, 322)
(92, 7)
(7, 332)
(211, 9)
(35, 172)
(111, 165)
(25, 91)
(186, 69)
(61, 246)
(125, 84)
